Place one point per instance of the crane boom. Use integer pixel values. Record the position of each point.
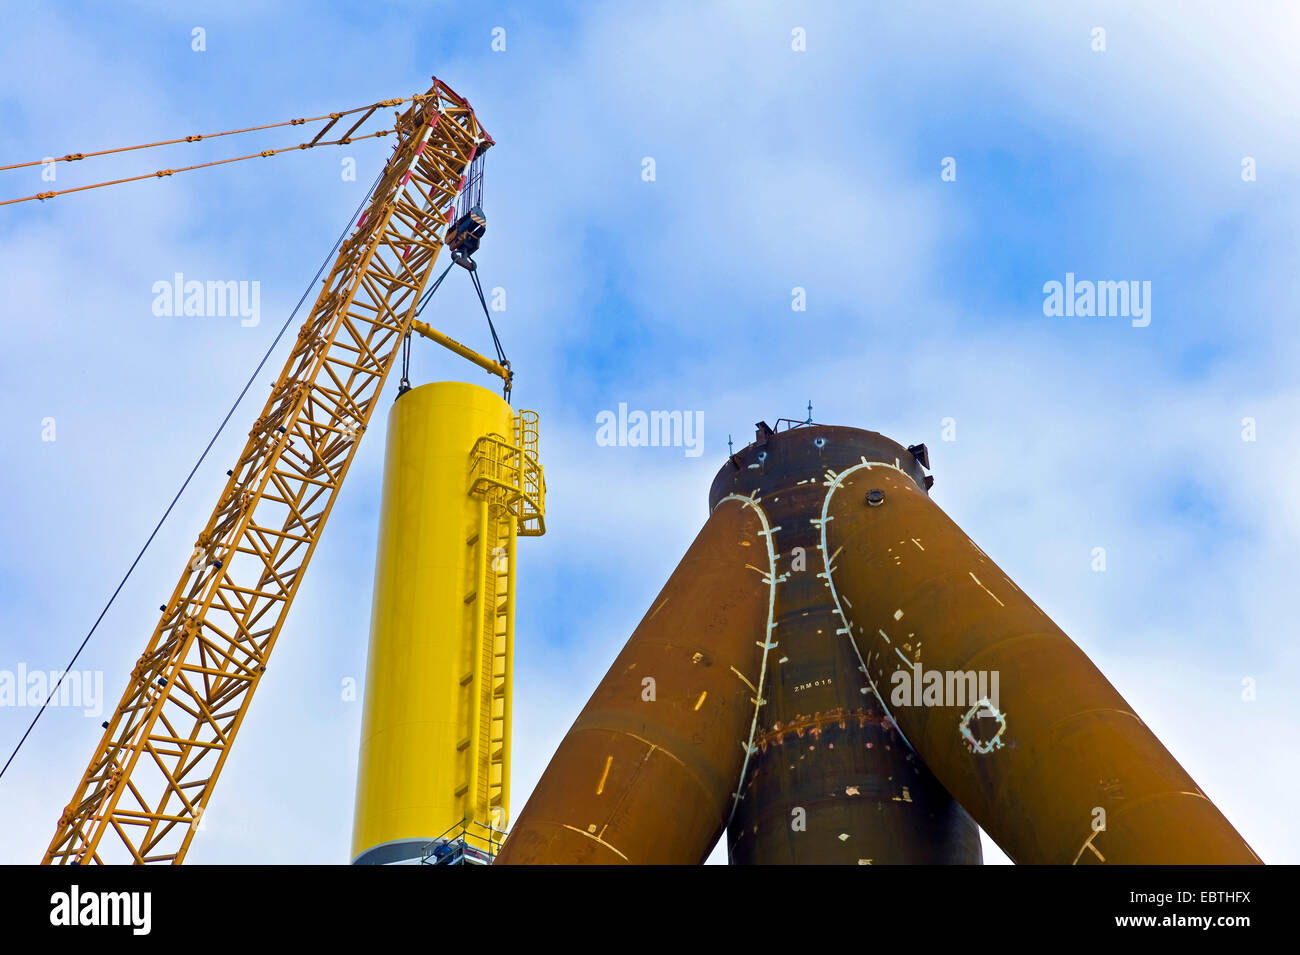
(154, 770)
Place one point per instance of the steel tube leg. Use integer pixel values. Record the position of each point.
(647, 772)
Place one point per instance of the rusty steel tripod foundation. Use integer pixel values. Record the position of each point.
(829, 780)
(830, 665)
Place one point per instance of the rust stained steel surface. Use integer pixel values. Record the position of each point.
(1061, 751)
(824, 574)
(647, 771)
(831, 781)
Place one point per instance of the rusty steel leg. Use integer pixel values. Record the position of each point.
(647, 772)
(1058, 768)
(831, 780)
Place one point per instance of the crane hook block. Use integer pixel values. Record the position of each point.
(463, 237)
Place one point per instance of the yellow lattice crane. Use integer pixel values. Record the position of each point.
(152, 774)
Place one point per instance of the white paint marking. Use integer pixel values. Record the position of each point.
(986, 590)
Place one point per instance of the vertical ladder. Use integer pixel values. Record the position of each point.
(502, 569)
(506, 479)
(487, 743)
(493, 541)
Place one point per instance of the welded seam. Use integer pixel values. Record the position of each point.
(833, 483)
(772, 580)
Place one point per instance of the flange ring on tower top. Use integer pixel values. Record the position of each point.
(805, 452)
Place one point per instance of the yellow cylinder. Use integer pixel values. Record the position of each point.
(435, 731)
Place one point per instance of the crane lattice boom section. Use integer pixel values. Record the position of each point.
(154, 770)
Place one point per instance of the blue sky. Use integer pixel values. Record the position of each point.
(775, 169)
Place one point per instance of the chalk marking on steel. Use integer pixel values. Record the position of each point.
(595, 838)
(1088, 845)
(986, 590)
(653, 748)
(745, 678)
(609, 761)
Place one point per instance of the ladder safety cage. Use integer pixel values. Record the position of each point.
(509, 473)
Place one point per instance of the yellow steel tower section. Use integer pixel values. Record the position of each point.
(461, 483)
(154, 770)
